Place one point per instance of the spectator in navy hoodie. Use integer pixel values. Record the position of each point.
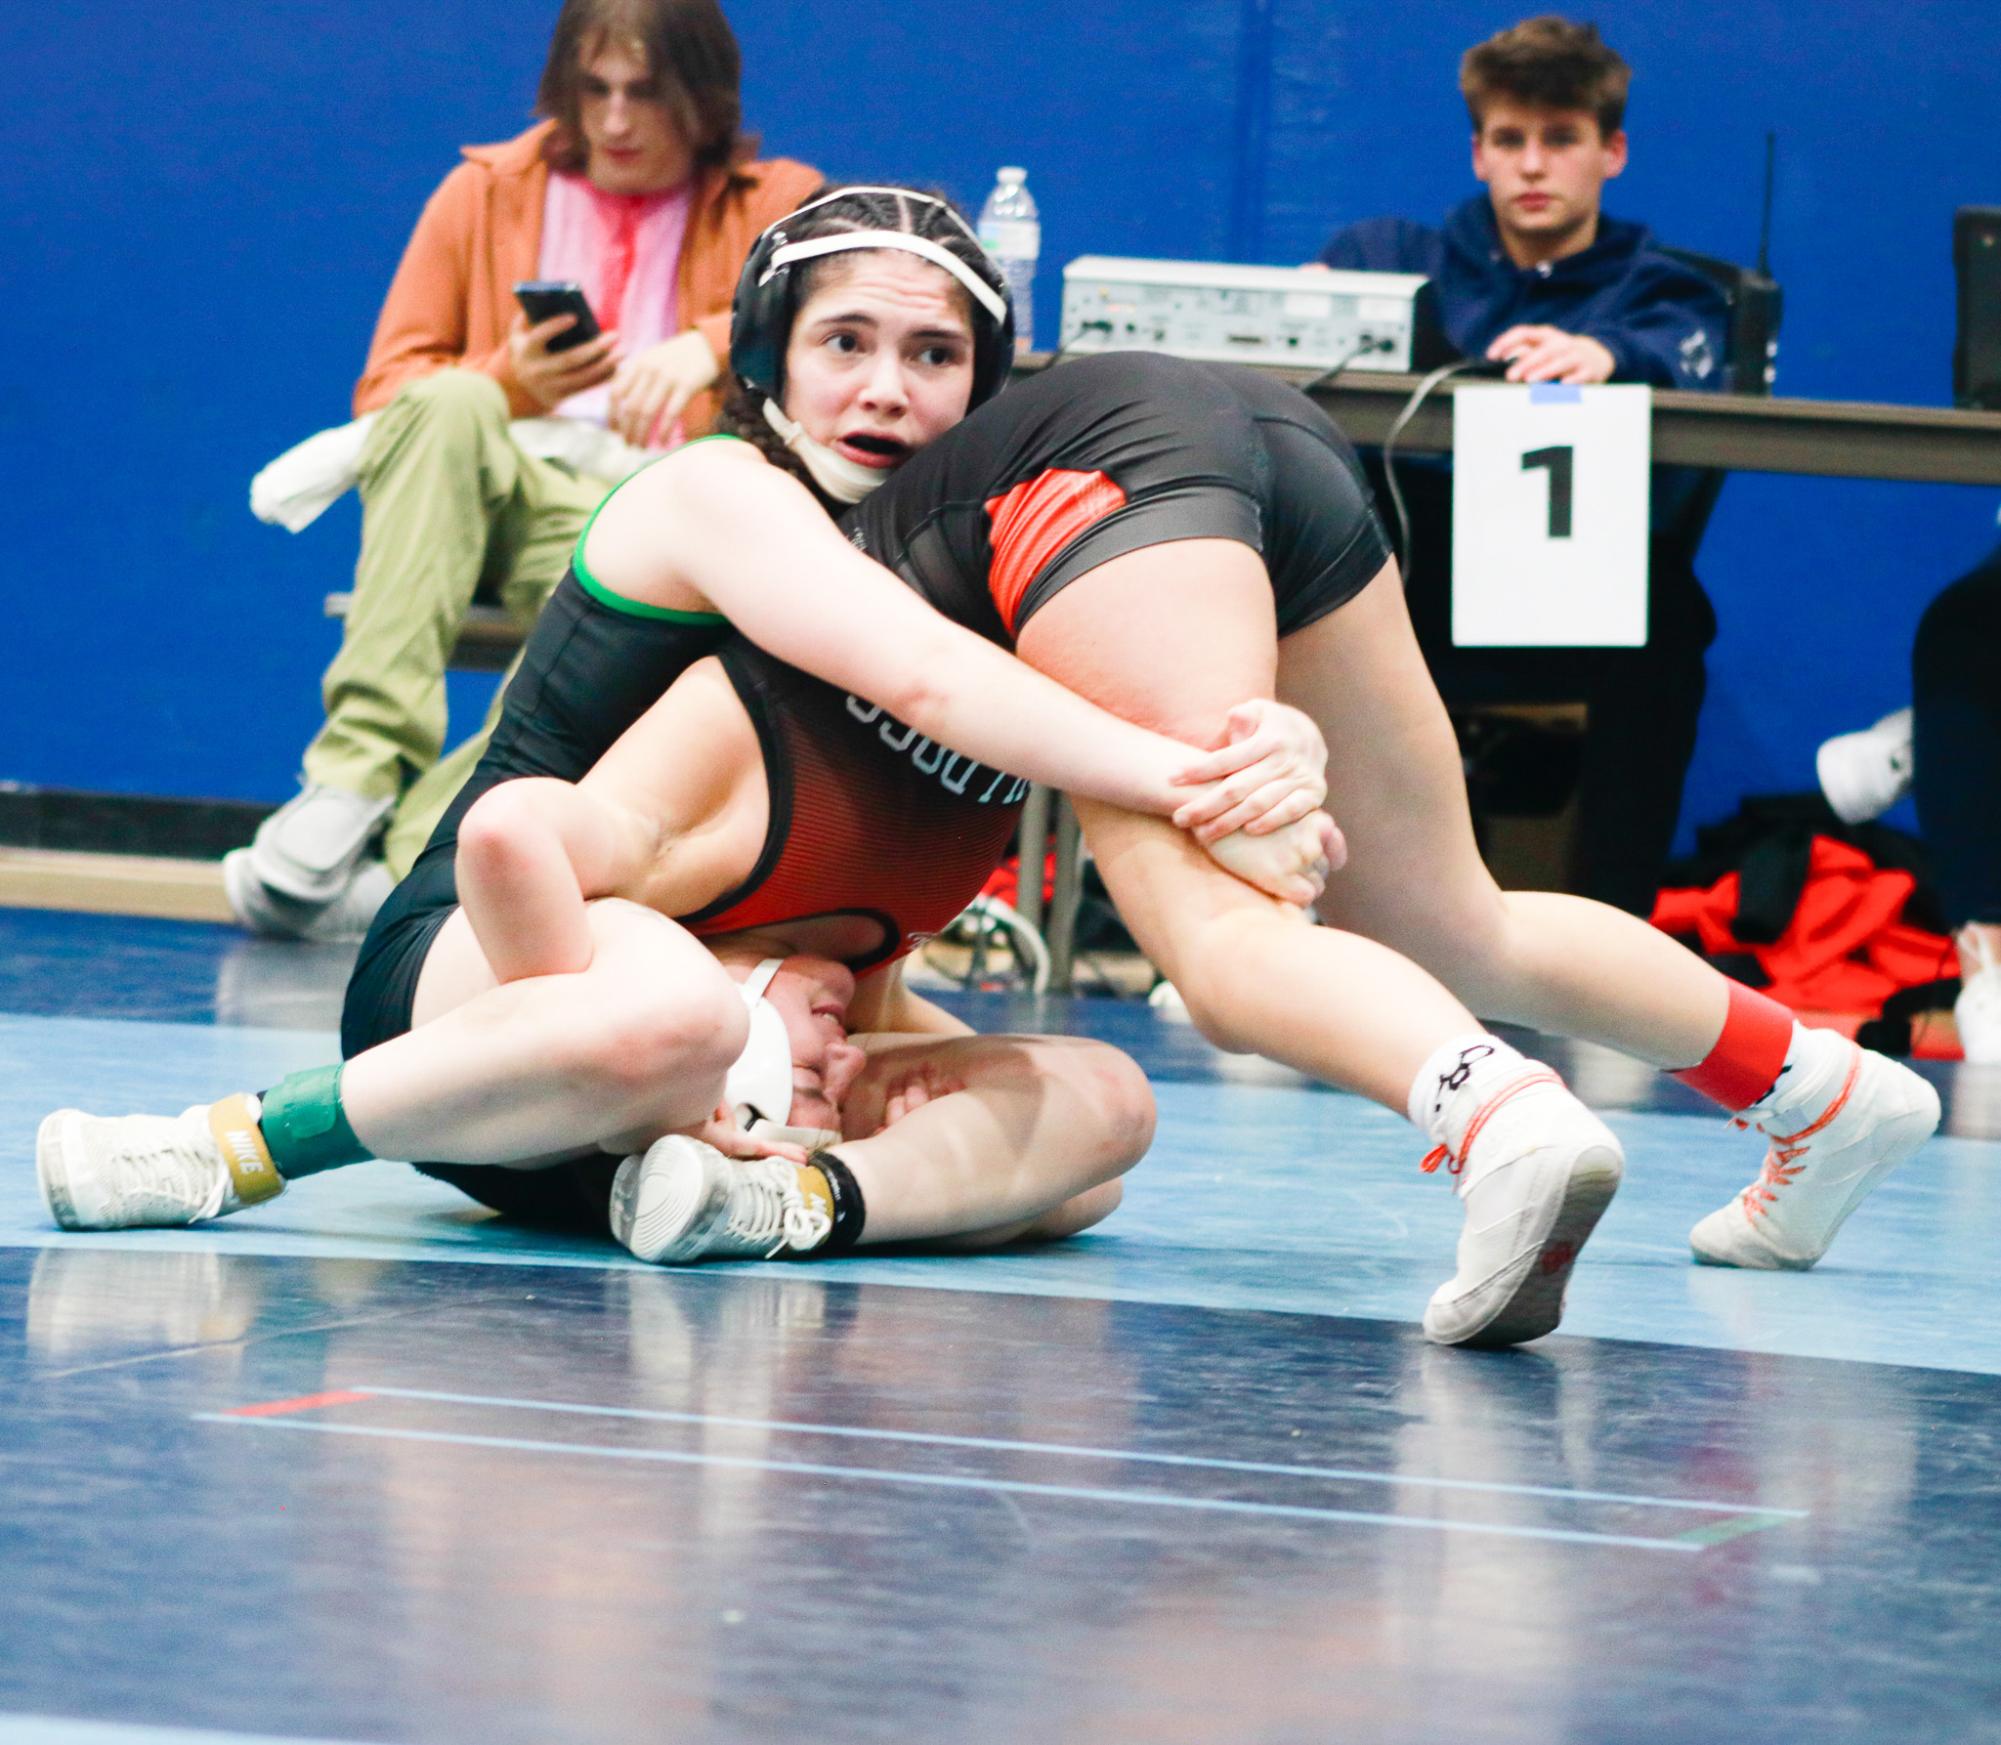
(1535, 274)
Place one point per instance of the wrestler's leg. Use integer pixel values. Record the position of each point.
(1841, 1118)
(1414, 878)
(1173, 636)
(1027, 1141)
(635, 1045)
(521, 1074)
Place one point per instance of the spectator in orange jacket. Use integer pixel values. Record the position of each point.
(640, 185)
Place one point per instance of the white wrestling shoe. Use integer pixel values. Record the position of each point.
(1536, 1171)
(309, 848)
(261, 910)
(1864, 774)
(1852, 1117)
(129, 1172)
(683, 1200)
(1976, 1014)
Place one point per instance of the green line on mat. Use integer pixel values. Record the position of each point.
(1717, 1532)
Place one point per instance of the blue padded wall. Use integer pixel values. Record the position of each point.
(214, 201)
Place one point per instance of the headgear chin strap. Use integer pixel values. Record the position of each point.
(758, 1089)
(843, 480)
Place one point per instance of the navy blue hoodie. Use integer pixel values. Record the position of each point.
(1663, 323)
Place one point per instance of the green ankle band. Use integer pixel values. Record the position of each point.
(303, 1125)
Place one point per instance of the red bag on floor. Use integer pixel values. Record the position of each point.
(1848, 947)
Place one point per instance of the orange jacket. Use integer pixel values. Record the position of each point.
(453, 295)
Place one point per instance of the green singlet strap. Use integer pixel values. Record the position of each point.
(618, 602)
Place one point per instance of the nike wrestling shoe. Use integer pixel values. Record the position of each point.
(130, 1172)
(682, 1200)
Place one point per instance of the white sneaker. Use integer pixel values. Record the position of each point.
(1852, 1118)
(1536, 1171)
(683, 1200)
(1976, 1014)
(309, 848)
(127, 1172)
(1864, 774)
(260, 909)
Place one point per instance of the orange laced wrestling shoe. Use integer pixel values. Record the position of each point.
(1536, 1170)
(1851, 1118)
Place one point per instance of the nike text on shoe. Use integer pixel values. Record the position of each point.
(683, 1200)
(1833, 1139)
(129, 1172)
(1536, 1170)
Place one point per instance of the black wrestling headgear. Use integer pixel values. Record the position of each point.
(767, 290)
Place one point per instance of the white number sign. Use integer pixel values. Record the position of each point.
(1549, 516)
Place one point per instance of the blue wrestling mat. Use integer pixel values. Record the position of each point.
(368, 1464)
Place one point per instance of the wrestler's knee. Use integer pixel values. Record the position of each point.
(641, 1046)
(457, 407)
(1119, 1091)
(1208, 974)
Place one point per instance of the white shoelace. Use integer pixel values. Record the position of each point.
(766, 1206)
(171, 1172)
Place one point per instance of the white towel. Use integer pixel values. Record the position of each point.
(297, 488)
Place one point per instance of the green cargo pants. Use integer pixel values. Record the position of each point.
(451, 511)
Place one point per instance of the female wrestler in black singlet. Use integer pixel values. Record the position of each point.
(560, 1009)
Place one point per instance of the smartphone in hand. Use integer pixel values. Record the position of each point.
(542, 298)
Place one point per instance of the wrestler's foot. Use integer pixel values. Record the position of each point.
(1536, 1171)
(1845, 1118)
(128, 1172)
(1864, 774)
(260, 909)
(683, 1200)
(309, 848)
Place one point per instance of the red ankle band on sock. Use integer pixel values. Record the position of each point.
(1747, 1057)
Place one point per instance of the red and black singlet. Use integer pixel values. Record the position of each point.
(868, 817)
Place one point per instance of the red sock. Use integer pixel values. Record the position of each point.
(1745, 1063)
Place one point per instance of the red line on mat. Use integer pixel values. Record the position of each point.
(304, 1403)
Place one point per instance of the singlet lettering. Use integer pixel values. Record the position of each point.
(954, 772)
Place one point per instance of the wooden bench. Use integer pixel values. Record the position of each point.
(486, 644)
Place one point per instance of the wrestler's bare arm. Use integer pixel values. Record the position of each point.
(675, 537)
(885, 1003)
(531, 852)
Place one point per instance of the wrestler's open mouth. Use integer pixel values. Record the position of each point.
(872, 450)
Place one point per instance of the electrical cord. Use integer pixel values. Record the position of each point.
(1064, 349)
(1361, 348)
(1465, 366)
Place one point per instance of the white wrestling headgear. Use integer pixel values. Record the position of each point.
(758, 1089)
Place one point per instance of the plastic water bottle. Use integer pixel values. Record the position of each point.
(1011, 232)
